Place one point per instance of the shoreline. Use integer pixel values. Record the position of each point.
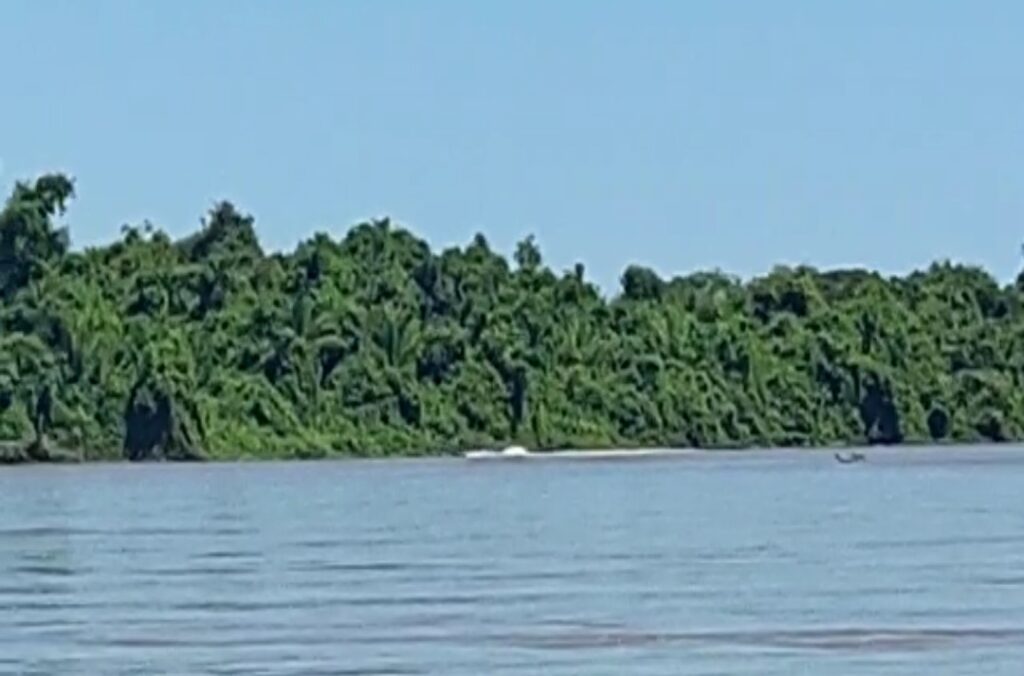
(967, 452)
(899, 451)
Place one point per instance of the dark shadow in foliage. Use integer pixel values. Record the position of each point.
(517, 387)
(640, 283)
(226, 233)
(155, 428)
(991, 426)
(938, 424)
(39, 448)
(878, 413)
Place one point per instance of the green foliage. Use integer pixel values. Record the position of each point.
(28, 239)
(374, 345)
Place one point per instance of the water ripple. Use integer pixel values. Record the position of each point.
(783, 564)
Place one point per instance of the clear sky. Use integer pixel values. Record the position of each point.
(680, 135)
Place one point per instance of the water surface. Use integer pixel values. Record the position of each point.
(768, 563)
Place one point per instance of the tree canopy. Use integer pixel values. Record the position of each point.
(375, 344)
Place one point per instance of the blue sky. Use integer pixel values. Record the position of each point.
(680, 135)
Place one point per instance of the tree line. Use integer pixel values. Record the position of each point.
(209, 347)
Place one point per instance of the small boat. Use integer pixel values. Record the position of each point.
(508, 453)
(848, 458)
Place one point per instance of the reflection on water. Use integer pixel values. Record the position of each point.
(777, 563)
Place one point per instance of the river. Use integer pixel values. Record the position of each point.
(735, 563)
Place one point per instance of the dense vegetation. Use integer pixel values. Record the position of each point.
(209, 347)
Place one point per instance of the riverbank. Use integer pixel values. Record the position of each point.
(375, 343)
(25, 452)
(18, 454)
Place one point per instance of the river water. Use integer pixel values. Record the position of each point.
(766, 563)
